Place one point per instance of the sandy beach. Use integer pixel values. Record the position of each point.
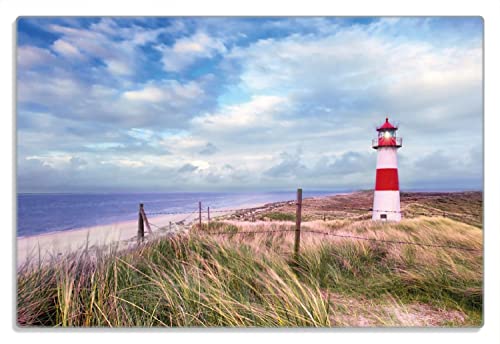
(123, 234)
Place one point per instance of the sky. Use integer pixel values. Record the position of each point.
(146, 104)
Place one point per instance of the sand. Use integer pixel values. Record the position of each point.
(122, 234)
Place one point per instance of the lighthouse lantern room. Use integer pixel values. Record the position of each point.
(386, 201)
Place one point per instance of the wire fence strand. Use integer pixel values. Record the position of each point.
(251, 232)
(175, 222)
(390, 241)
(265, 208)
(398, 242)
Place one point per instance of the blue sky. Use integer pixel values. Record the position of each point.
(215, 104)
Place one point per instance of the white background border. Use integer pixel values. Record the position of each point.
(489, 10)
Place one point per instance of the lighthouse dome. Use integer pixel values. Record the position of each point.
(387, 126)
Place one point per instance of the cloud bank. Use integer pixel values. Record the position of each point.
(159, 104)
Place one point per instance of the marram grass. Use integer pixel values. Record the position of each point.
(252, 279)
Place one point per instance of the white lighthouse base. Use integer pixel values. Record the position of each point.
(386, 206)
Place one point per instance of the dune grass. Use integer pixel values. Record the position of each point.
(251, 279)
(279, 216)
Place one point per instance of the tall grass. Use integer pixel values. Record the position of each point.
(250, 279)
(184, 281)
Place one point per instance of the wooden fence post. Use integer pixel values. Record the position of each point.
(145, 220)
(199, 214)
(208, 213)
(297, 222)
(140, 225)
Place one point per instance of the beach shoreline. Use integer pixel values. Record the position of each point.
(123, 234)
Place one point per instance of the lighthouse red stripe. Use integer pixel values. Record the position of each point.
(387, 179)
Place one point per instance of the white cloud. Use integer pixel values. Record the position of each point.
(141, 134)
(37, 88)
(135, 34)
(128, 163)
(182, 143)
(351, 57)
(257, 112)
(29, 56)
(115, 45)
(66, 49)
(123, 162)
(363, 70)
(54, 160)
(117, 67)
(201, 164)
(166, 91)
(151, 94)
(165, 102)
(103, 146)
(185, 51)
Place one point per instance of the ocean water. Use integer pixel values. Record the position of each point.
(43, 213)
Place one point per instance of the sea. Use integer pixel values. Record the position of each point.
(44, 213)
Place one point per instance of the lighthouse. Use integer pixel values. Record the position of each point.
(386, 205)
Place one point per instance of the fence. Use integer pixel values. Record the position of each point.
(143, 221)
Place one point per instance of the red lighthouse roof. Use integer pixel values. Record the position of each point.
(387, 126)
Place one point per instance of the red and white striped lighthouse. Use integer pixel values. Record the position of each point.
(386, 198)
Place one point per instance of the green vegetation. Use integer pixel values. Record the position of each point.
(252, 280)
(215, 227)
(277, 216)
